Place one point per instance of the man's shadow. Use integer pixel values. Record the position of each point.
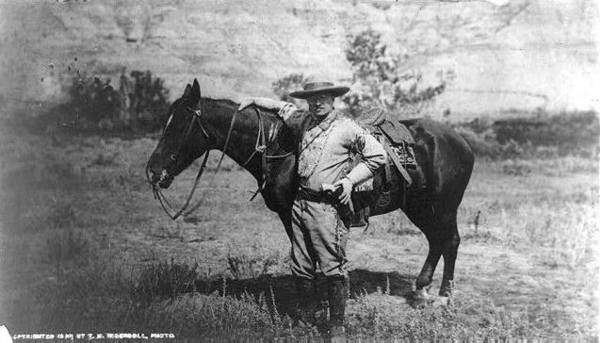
(280, 290)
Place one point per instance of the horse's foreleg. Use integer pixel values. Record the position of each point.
(286, 219)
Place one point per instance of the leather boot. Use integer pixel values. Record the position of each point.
(305, 303)
(337, 291)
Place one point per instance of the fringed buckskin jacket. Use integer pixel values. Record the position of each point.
(336, 147)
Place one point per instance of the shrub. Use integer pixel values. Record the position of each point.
(139, 105)
(569, 132)
(543, 136)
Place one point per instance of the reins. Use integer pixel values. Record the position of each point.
(260, 147)
(162, 199)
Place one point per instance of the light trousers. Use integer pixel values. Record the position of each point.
(319, 239)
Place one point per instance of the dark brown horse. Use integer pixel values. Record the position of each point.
(445, 162)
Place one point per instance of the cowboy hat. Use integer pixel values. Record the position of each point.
(316, 85)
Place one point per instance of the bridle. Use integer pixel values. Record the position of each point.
(162, 199)
(260, 147)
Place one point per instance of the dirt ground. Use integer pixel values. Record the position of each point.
(529, 239)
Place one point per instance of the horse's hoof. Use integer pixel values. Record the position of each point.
(421, 298)
(442, 302)
(421, 295)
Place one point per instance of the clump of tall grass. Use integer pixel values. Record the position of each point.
(255, 262)
(225, 316)
(161, 296)
(165, 279)
(244, 266)
(167, 296)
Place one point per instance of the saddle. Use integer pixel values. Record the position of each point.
(398, 143)
(396, 139)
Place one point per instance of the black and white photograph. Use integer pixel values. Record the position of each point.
(304, 170)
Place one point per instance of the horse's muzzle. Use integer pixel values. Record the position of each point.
(162, 180)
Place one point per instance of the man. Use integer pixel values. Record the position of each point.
(320, 224)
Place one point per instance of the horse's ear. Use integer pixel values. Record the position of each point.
(188, 91)
(192, 94)
(196, 94)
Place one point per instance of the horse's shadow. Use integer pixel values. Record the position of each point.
(280, 290)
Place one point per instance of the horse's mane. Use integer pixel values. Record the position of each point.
(228, 103)
(222, 101)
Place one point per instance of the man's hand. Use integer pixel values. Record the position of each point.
(245, 103)
(262, 102)
(346, 190)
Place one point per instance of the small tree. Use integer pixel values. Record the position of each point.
(380, 77)
(379, 81)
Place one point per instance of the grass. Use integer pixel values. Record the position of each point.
(214, 315)
(102, 299)
(377, 316)
(165, 280)
(526, 264)
(255, 261)
(556, 212)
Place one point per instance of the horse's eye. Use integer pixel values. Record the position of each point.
(173, 157)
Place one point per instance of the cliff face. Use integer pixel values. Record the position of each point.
(522, 55)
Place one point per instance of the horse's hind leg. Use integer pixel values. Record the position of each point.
(424, 280)
(442, 236)
(450, 245)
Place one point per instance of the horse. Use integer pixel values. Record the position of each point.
(445, 162)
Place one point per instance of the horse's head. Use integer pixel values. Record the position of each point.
(184, 139)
